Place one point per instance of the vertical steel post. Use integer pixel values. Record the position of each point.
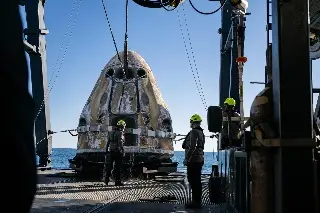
(262, 157)
(292, 89)
(36, 48)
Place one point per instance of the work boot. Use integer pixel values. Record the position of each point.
(193, 205)
(106, 181)
(118, 183)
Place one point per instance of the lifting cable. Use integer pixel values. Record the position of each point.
(194, 60)
(195, 75)
(199, 88)
(111, 32)
(113, 38)
(126, 30)
(65, 47)
(64, 38)
(126, 67)
(208, 13)
(125, 55)
(49, 133)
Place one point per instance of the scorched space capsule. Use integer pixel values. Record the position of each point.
(134, 97)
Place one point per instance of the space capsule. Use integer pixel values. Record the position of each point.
(132, 96)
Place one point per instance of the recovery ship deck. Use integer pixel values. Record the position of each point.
(67, 195)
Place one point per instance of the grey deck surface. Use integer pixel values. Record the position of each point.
(42, 205)
(75, 206)
(66, 195)
(157, 208)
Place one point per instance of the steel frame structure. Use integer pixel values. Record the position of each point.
(292, 69)
(35, 46)
(292, 81)
(295, 178)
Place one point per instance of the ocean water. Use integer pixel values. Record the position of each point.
(60, 157)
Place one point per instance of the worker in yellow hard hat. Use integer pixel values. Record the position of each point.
(230, 103)
(115, 152)
(194, 160)
(230, 127)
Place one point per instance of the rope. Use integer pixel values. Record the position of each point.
(75, 130)
(46, 96)
(208, 13)
(111, 32)
(189, 59)
(51, 133)
(193, 57)
(125, 56)
(199, 87)
(195, 76)
(64, 37)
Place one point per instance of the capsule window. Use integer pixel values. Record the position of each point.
(130, 74)
(82, 122)
(141, 73)
(110, 72)
(119, 73)
(166, 122)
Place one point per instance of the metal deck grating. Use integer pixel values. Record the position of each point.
(131, 191)
(101, 197)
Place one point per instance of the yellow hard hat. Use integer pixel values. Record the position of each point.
(195, 118)
(121, 123)
(230, 102)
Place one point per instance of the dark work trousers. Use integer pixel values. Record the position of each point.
(194, 179)
(116, 159)
(19, 161)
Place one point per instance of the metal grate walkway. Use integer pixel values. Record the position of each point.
(96, 197)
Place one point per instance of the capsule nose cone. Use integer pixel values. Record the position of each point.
(134, 60)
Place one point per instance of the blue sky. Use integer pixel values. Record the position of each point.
(156, 35)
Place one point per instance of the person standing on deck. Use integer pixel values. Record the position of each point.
(194, 160)
(230, 129)
(114, 153)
